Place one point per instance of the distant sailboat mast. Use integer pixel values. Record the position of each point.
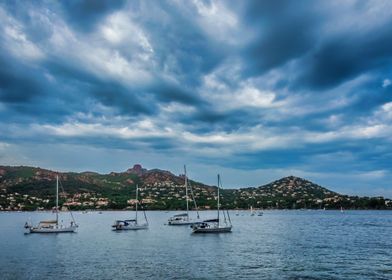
(186, 194)
(218, 198)
(57, 199)
(137, 200)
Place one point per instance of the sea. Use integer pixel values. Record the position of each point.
(309, 244)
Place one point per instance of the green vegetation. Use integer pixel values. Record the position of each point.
(28, 188)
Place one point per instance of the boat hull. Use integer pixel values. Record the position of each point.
(183, 223)
(212, 230)
(132, 227)
(53, 230)
(180, 223)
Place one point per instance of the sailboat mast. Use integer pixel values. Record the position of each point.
(57, 199)
(218, 197)
(137, 200)
(186, 194)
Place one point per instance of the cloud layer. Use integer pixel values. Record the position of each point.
(251, 88)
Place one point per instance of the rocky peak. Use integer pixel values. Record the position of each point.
(156, 175)
(137, 169)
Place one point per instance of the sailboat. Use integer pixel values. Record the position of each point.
(183, 218)
(53, 226)
(132, 224)
(214, 225)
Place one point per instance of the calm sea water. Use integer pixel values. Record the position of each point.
(278, 245)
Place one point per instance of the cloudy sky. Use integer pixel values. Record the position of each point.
(253, 90)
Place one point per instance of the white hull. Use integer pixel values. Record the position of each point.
(53, 230)
(212, 230)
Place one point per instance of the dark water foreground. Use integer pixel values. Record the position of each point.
(278, 245)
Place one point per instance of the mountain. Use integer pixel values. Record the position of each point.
(291, 192)
(30, 188)
(23, 187)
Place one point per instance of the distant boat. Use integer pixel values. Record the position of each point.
(183, 218)
(214, 225)
(53, 226)
(341, 209)
(252, 212)
(237, 213)
(260, 213)
(132, 224)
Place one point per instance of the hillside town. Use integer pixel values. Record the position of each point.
(29, 189)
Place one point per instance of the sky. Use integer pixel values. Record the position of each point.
(253, 90)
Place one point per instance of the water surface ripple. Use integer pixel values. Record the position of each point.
(277, 245)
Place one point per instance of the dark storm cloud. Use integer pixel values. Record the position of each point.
(192, 51)
(117, 96)
(130, 100)
(368, 98)
(165, 91)
(345, 57)
(178, 66)
(283, 30)
(85, 14)
(176, 36)
(85, 84)
(207, 118)
(337, 156)
(18, 85)
(31, 97)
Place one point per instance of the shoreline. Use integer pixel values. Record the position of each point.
(158, 210)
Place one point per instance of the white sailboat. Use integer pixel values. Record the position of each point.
(132, 224)
(53, 226)
(183, 218)
(214, 225)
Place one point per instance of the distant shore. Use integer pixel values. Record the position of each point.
(202, 210)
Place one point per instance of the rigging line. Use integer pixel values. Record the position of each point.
(220, 181)
(228, 215)
(219, 186)
(62, 189)
(144, 211)
(143, 208)
(194, 199)
(145, 216)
